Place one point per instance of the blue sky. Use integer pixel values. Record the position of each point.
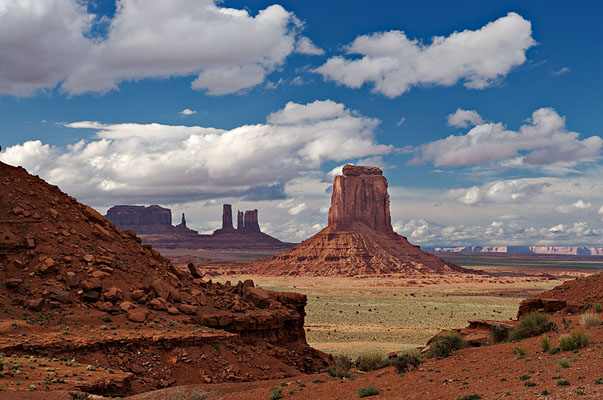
(489, 133)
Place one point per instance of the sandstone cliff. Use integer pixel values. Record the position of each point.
(359, 239)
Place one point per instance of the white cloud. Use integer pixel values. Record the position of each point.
(305, 46)
(187, 112)
(44, 42)
(501, 192)
(561, 71)
(579, 205)
(297, 209)
(394, 63)
(41, 43)
(159, 163)
(544, 139)
(497, 233)
(464, 118)
(401, 121)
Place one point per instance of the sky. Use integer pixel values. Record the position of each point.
(484, 116)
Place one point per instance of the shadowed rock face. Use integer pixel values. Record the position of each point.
(360, 195)
(140, 218)
(359, 239)
(227, 218)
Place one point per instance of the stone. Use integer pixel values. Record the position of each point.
(94, 215)
(53, 213)
(163, 289)
(173, 311)
(98, 274)
(158, 304)
(89, 285)
(258, 296)
(138, 314)
(194, 270)
(60, 295)
(113, 294)
(187, 309)
(48, 265)
(36, 304)
(13, 283)
(91, 297)
(126, 305)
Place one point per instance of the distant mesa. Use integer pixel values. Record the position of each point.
(153, 224)
(359, 238)
(146, 220)
(536, 250)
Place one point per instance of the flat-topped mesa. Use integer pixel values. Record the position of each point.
(360, 196)
(141, 219)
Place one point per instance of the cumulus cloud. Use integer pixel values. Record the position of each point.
(428, 233)
(543, 138)
(227, 49)
(579, 205)
(154, 162)
(305, 46)
(41, 42)
(394, 63)
(187, 112)
(297, 209)
(464, 118)
(500, 192)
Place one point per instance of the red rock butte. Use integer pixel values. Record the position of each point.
(359, 239)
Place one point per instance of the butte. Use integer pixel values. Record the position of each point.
(359, 238)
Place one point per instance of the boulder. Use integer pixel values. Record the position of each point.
(258, 296)
(13, 283)
(138, 314)
(113, 294)
(36, 304)
(187, 309)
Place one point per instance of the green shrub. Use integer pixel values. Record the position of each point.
(532, 324)
(277, 393)
(500, 333)
(368, 391)
(564, 363)
(79, 395)
(590, 320)
(445, 345)
(341, 367)
(407, 360)
(470, 397)
(545, 393)
(563, 383)
(372, 361)
(545, 344)
(598, 307)
(529, 384)
(574, 340)
(519, 351)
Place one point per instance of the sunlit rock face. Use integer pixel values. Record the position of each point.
(359, 239)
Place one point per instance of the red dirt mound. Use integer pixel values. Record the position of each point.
(572, 296)
(73, 285)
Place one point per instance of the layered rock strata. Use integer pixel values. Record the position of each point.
(359, 239)
(62, 264)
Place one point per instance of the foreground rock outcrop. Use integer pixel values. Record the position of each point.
(573, 296)
(73, 286)
(359, 239)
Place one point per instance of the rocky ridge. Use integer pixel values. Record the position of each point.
(65, 268)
